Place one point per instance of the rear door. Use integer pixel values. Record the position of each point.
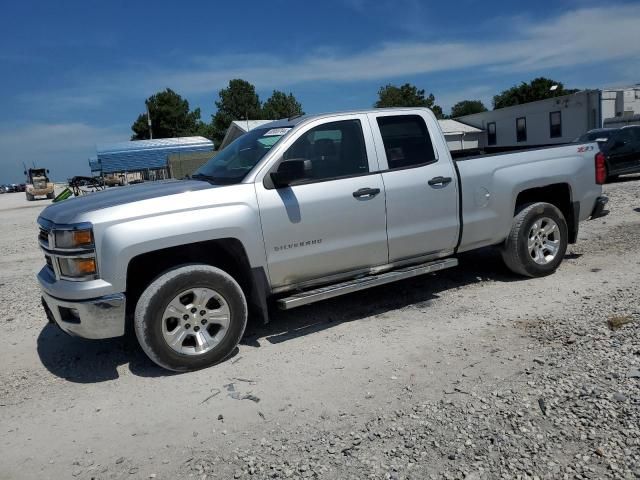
(620, 154)
(333, 221)
(420, 186)
(634, 162)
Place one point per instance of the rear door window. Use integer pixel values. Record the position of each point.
(406, 141)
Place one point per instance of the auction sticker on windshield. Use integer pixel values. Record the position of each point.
(277, 131)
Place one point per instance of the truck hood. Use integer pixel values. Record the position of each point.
(67, 211)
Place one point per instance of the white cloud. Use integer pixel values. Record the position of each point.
(64, 148)
(584, 36)
(580, 37)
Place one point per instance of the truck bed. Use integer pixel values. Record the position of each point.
(489, 184)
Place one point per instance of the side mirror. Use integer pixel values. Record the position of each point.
(47, 170)
(25, 172)
(289, 171)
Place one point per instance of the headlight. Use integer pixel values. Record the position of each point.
(74, 238)
(77, 267)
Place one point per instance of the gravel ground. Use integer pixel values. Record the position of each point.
(469, 373)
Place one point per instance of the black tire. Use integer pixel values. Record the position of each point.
(155, 299)
(29, 197)
(515, 251)
(51, 196)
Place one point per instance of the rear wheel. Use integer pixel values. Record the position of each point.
(29, 197)
(190, 317)
(537, 242)
(50, 195)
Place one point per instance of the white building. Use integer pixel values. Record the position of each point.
(556, 120)
(462, 138)
(621, 102)
(546, 122)
(239, 128)
(621, 106)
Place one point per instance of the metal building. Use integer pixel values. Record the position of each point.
(94, 166)
(145, 159)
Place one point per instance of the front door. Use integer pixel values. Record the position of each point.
(333, 221)
(421, 189)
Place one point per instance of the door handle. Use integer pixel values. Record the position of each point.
(366, 192)
(435, 181)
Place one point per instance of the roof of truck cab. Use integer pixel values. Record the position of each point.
(291, 122)
(448, 126)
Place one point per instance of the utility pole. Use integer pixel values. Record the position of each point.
(149, 122)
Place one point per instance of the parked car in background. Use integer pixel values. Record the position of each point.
(21, 187)
(621, 147)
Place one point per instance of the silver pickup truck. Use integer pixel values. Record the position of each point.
(298, 211)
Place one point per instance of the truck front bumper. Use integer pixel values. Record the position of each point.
(102, 317)
(598, 209)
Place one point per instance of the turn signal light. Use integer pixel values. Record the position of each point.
(82, 237)
(86, 266)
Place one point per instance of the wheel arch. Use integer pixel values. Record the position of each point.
(227, 254)
(557, 194)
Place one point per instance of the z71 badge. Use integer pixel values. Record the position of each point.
(585, 148)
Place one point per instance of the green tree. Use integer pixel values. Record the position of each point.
(538, 89)
(406, 95)
(170, 117)
(280, 105)
(239, 101)
(467, 107)
(205, 130)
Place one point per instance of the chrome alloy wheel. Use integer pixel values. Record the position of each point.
(544, 241)
(195, 321)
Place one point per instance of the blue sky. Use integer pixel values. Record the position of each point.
(76, 73)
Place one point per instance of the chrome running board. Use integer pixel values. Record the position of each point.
(362, 283)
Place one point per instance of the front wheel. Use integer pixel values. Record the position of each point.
(190, 317)
(537, 241)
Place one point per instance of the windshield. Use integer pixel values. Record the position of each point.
(596, 135)
(236, 160)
